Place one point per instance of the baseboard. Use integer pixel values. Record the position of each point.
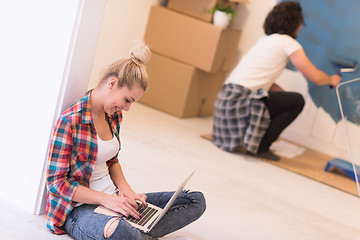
(317, 144)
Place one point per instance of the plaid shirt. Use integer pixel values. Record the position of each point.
(241, 118)
(71, 159)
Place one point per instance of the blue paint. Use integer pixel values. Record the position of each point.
(350, 101)
(332, 29)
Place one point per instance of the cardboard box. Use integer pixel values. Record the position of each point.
(179, 89)
(197, 8)
(192, 41)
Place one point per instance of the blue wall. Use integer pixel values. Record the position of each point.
(332, 28)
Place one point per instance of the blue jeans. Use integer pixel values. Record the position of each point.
(84, 223)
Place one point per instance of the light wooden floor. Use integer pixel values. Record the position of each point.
(246, 198)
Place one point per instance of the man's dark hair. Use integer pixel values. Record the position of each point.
(284, 18)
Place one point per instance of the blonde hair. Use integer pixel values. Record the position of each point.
(130, 70)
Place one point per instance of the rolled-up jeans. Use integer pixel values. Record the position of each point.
(84, 223)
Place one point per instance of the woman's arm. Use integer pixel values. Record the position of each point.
(59, 158)
(61, 185)
(117, 176)
(116, 203)
(306, 67)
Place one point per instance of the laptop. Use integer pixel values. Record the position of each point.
(151, 214)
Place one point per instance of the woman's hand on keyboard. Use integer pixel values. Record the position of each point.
(121, 204)
(129, 193)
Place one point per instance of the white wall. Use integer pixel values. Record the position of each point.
(250, 18)
(314, 128)
(123, 28)
(38, 59)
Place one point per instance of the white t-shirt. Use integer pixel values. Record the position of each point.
(100, 178)
(264, 62)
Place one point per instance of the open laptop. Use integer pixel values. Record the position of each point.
(151, 214)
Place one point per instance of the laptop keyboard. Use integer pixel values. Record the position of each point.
(145, 211)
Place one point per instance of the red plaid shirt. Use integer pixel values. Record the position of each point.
(71, 159)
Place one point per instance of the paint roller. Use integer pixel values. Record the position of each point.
(344, 65)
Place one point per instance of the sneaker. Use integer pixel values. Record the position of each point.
(268, 155)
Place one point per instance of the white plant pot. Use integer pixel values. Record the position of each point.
(221, 19)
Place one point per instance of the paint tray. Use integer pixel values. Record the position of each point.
(344, 166)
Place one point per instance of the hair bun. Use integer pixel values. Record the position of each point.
(140, 54)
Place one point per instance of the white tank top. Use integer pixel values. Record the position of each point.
(100, 179)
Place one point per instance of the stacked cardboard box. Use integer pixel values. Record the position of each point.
(197, 8)
(190, 59)
(180, 89)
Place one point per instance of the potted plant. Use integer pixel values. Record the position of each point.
(223, 16)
